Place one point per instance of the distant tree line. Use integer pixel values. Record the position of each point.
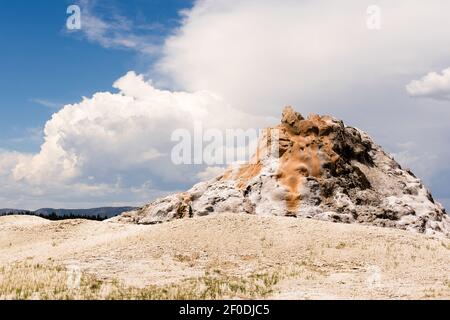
(56, 217)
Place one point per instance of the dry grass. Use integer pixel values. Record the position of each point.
(48, 281)
(223, 256)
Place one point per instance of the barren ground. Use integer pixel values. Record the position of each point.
(222, 256)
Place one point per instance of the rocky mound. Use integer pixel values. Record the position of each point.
(315, 168)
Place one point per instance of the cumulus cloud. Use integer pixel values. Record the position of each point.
(114, 142)
(319, 56)
(257, 56)
(260, 55)
(434, 85)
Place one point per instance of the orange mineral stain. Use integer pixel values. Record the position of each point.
(304, 145)
(299, 161)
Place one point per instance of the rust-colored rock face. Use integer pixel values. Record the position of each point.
(246, 173)
(317, 147)
(314, 167)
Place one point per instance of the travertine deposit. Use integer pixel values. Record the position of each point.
(313, 167)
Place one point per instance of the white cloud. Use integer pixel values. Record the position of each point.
(421, 162)
(113, 31)
(434, 85)
(320, 57)
(114, 143)
(9, 159)
(257, 56)
(47, 103)
(260, 55)
(210, 173)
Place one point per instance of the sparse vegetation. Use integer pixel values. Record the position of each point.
(341, 245)
(447, 283)
(221, 259)
(39, 281)
(50, 281)
(189, 259)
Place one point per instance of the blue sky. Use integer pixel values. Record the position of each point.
(248, 57)
(44, 66)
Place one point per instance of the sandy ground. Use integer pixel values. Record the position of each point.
(318, 260)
